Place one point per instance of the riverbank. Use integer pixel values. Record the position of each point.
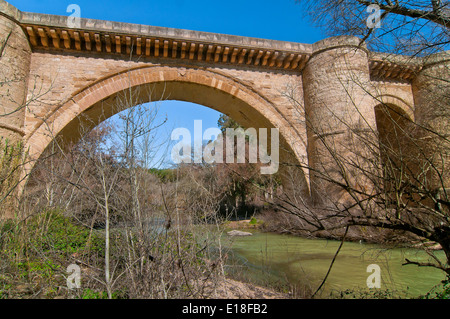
(234, 289)
(244, 224)
(268, 223)
(261, 266)
(225, 289)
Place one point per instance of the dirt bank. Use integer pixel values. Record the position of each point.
(232, 289)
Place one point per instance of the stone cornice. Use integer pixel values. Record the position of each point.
(391, 66)
(189, 45)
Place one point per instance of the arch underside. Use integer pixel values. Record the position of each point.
(392, 125)
(106, 97)
(164, 91)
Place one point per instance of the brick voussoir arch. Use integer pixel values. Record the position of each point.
(402, 105)
(223, 85)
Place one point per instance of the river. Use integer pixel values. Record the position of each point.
(285, 259)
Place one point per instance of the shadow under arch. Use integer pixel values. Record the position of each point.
(396, 142)
(95, 103)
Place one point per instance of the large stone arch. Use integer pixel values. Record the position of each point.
(94, 103)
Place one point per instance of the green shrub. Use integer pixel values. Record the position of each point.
(44, 269)
(42, 246)
(59, 234)
(92, 294)
(165, 175)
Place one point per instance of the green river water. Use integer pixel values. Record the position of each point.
(281, 259)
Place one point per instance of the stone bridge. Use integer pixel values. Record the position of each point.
(53, 72)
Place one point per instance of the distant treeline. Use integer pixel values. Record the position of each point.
(164, 174)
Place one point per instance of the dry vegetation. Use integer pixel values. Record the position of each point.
(135, 232)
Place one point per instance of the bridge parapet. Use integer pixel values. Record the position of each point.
(52, 32)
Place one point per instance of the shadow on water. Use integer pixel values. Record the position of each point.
(287, 261)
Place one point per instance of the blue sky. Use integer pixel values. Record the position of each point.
(268, 19)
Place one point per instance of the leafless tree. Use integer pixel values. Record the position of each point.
(418, 27)
(388, 181)
(153, 246)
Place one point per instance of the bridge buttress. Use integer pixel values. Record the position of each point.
(15, 58)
